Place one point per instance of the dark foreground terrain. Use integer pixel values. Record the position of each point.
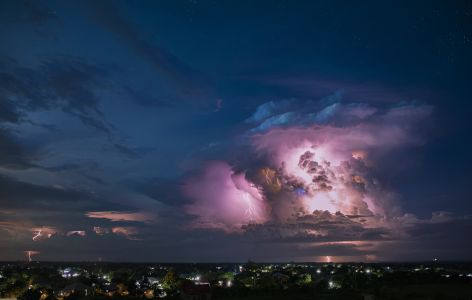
(106, 281)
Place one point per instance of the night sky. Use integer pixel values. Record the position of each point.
(211, 131)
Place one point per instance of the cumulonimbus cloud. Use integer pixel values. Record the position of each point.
(313, 161)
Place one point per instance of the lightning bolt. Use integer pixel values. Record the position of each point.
(29, 253)
(266, 174)
(251, 210)
(37, 234)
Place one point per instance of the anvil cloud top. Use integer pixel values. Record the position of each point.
(229, 130)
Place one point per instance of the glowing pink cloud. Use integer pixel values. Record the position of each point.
(128, 232)
(224, 199)
(125, 231)
(116, 216)
(81, 233)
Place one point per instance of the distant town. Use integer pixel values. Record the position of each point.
(251, 280)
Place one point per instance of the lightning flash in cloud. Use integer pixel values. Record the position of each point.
(43, 232)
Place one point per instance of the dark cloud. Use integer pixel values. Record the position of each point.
(39, 14)
(31, 12)
(324, 234)
(8, 111)
(164, 190)
(18, 195)
(66, 84)
(321, 226)
(144, 99)
(14, 154)
(85, 170)
(187, 82)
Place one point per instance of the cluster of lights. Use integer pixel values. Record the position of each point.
(195, 278)
(69, 273)
(228, 283)
(333, 285)
(105, 277)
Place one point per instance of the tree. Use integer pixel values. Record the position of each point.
(322, 285)
(171, 280)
